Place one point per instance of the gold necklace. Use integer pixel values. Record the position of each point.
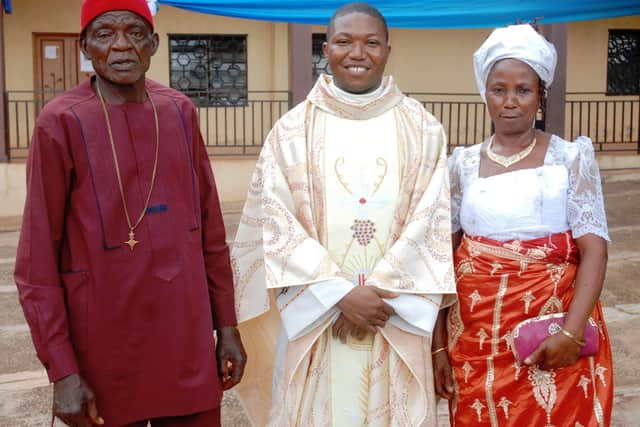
(132, 242)
(507, 161)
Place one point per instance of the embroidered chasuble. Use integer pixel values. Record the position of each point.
(345, 194)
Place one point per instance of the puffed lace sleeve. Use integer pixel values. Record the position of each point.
(455, 182)
(585, 202)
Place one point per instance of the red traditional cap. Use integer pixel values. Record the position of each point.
(91, 9)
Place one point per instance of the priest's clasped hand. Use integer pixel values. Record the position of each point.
(364, 307)
(342, 328)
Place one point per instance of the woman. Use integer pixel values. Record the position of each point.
(530, 235)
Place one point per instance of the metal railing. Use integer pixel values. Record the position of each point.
(612, 122)
(22, 110)
(227, 129)
(241, 129)
(465, 119)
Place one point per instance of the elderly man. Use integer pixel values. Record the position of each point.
(347, 226)
(122, 268)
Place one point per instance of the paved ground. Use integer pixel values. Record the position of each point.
(25, 396)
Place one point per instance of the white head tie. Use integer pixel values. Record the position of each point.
(519, 42)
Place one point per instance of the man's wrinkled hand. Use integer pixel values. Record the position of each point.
(342, 328)
(364, 307)
(74, 402)
(231, 356)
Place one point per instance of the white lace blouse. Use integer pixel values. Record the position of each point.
(564, 193)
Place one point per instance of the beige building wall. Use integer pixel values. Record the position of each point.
(421, 61)
(587, 72)
(587, 52)
(232, 179)
(431, 60)
(434, 60)
(31, 16)
(441, 60)
(267, 42)
(263, 41)
(267, 70)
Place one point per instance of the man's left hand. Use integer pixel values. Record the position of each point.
(231, 356)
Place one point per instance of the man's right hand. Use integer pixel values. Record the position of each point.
(364, 307)
(74, 402)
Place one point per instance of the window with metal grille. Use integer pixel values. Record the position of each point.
(319, 64)
(623, 68)
(211, 69)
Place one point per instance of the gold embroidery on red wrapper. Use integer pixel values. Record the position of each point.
(528, 299)
(556, 271)
(507, 252)
(495, 343)
(517, 368)
(467, 370)
(553, 305)
(523, 267)
(495, 266)
(514, 246)
(475, 297)
(474, 250)
(455, 326)
(540, 252)
(544, 389)
(465, 267)
(508, 339)
(568, 241)
(599, 371)
(504, 404)
(597, 406)
(584, 384)
(482, 335)
(478, 406)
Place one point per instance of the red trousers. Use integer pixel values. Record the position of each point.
(201, 419)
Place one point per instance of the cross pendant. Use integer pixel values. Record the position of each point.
(132, 242)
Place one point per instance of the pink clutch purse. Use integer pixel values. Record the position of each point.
(528, 334)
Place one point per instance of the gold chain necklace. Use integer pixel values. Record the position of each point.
(507, 161)
(132, 242)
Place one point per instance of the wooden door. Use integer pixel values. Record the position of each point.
(58, 64)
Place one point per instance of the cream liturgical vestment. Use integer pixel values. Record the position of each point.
(348, 191)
